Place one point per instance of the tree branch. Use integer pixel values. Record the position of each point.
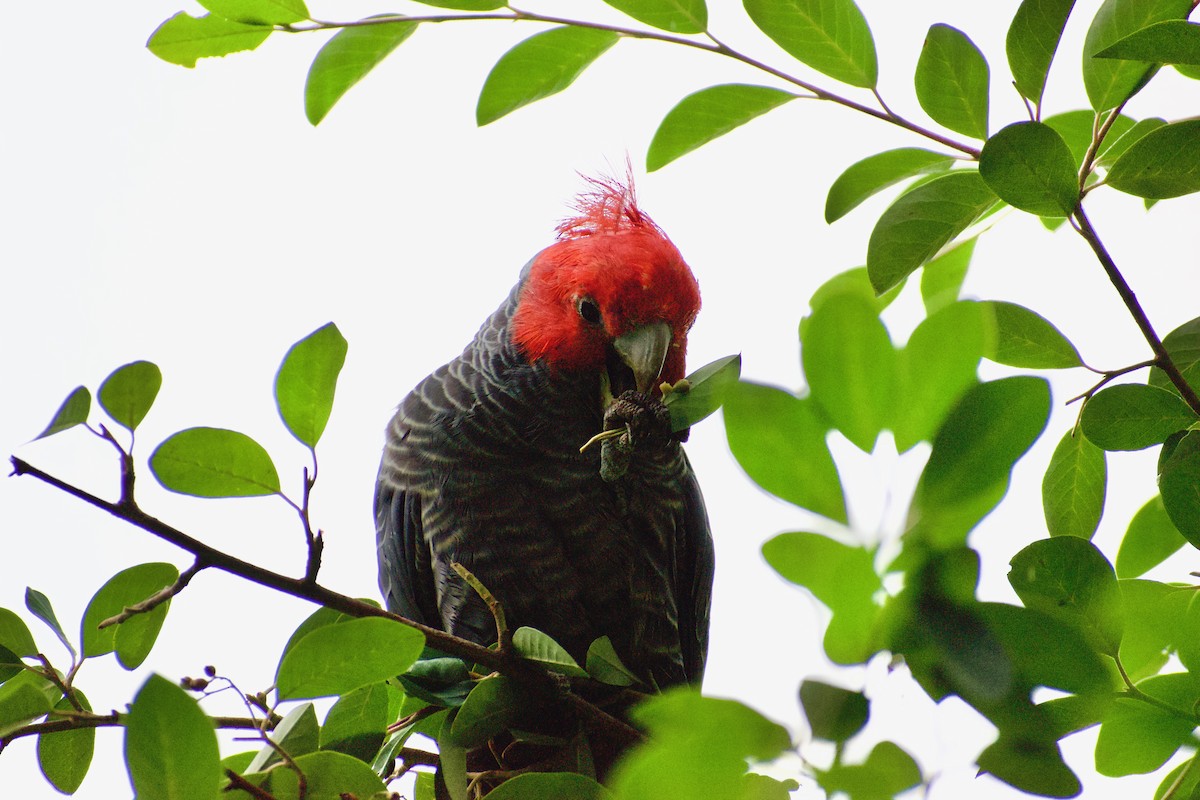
(158, 598)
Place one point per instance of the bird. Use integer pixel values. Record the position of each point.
(482, 463)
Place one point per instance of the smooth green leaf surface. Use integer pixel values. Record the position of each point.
(357, 723)
(15, 635)
(1074, 487)
(831, 36)
(887, 771)
(329, 775)
(259, 12)
(1032, 41)
(1150, 539)
(550, 786)
(709, 114)
(127, 394)
(604, 665)
(1183, 345)
(1117, 144)
(850, 366)
(1077, 128)
(345, 60)
(833, 713)
(183, 39)
(1045, 650)
(170, 745)
(1170, 42)
(779, 440)
(305, 383)
(952, 82)
(942, 278)
(1153, 612)
(214, 462)
(1030, 766)
(542, 65)
(298, 733)
(488, 709)
(854, 281)
(318, 619)
(65, 756)
(1131, 416)
(73, 411)
(1137, 737)
(133, 638)
(336, 659)
(875, 173)
(921, 222)
(1028, 166)
(706, 392)
(1163, 163)
(1109, 83)
(24, 698)
(537, 646)
(1179, 484)
(1028, 340)
(39, 605)
(676, 16)
(10, 664)
(466, 5)
(723, 727)
(1068, 578)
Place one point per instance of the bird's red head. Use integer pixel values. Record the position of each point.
(612, 273)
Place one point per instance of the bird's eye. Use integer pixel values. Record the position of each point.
(589, 311)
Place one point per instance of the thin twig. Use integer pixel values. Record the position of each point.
(503, 635)
(236, 781)
(414, 757)
(157, 599)
(1109, 376)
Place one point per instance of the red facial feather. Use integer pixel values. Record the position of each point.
(614, 255)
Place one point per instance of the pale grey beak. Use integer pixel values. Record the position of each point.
(644, 349)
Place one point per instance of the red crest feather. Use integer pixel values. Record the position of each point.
(609, 207)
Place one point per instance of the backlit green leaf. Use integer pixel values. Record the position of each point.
(297, 734)
(779, 440)
(1074, 487)
(542, 65)
(65, 756)
(183, 39)
(73, 411)
(1028, 340)
(357, 723)
(709, 114)
(170, 745)
(1179, 483)
(329, 775)
(604, 665)
(466, 5)
(1031, 766)
(1131, 416)
(1032, 40)
(306, 381)
(1173, 41)
(127, 394)
(831, 36)
(921, 222)
(1109, 83)
(952, 82)
(1028, 165)
(1163, 163)
(942, 278)
(676, 16)
(345, 60)
(133, 638)
(1117, 144)
(214, 462)
(24, 698)
(854, 281)
(550, 786)
(537, 646)
(488, 710)
(336, 659)
(259, 12)
(706, 392)
(1183, 345)
(887, 771)
(876, 173)
(1153, 613)
(1137, 737)
(15, 635)
(833, 713)
(39, 605)
(1151, 539)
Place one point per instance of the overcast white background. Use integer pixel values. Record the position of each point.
(194, 218)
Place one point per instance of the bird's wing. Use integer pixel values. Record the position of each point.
(693, 593)
(405, 571)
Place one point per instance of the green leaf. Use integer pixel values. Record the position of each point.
(133, 638)
(709, 114)
(1150, 539)
(542, 65)
(1184, 780)
(850, 366)
(1074, 713)
(1031, 766)
(65, 756)
(170, 745)
(887, 772)
(833, 713)
(183, 39)
(922, 221)
(15, 635)
(1117, 144)
(604, 665)
(440, 681)
(329, 775)
(875, 173)
(1074, 487)
(306, 381)
(1137, 737)
(1153, 612)
(779, 440)
(1132, 416)
(936, 366)
(1173, 41)
(1028, 340)
(550, 786)
(1179, 484)
(297, 734)
(39, 605)
(345, 60)
(1069, 579)
(25, 697)
(259, 12)
(985, 434)
(1028, 166)
(952, 82)
(357, 723)
(1046, 650)
(488, 710)
(318, 619)
(73, 411)
(942, 278)
(1110, 83)
(723, 727)
(452, 761)
(852, 281)
(537, 646)
(1183, 345)
(831, 36)
(1032, 40)
(336, 659)
(10, 664)
(127, 394)
(676, 16)
(840, 576)
(466, 5)
(214, 462)
(706, 392)
(1163, 163)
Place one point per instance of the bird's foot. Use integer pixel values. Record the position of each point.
(646, 423)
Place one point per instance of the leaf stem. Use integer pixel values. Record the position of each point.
(1169, 794)
(158, 598)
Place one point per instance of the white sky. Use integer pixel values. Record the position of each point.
(195, 219)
